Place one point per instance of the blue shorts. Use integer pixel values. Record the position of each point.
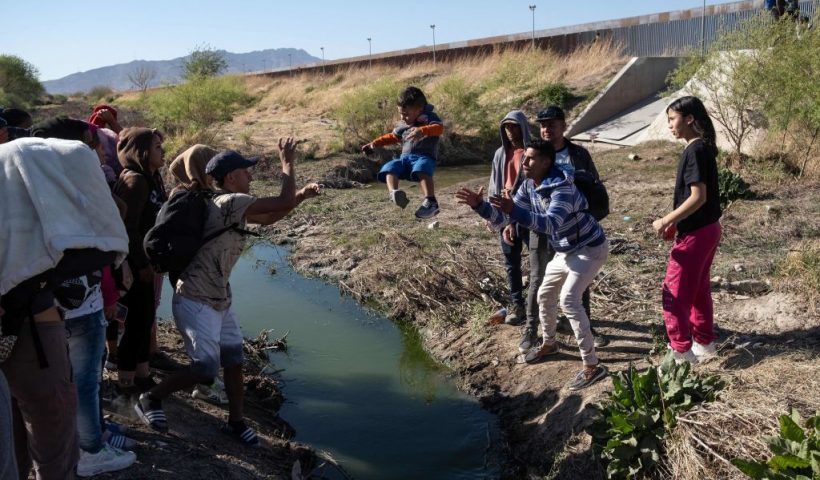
(407, 167)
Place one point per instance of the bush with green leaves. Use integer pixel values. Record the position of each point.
(796, 452)
(367, 112)
(628, 431)
(731, 187)
(554, 94)
(19, 85)
(204, 62)
(197, 104)
(762, 74)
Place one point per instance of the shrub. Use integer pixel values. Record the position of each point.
(628, 431)
(197, 104)
(554, 94)
(731, 187)
(367, 111)
(19, 86)
(796, 452)
(204, 62)
(100, 92)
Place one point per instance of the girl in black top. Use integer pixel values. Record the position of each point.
(687, 298)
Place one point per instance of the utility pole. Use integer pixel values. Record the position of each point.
(703, 31)
(433, 27)
(532, 9)
(323, 59)
(369, 52)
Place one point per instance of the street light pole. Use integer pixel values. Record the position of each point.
(433, 27)
(369, 52)
(703, 31)
(323, 59)
(532, 9)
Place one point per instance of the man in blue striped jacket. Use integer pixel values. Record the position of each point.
(548, 202)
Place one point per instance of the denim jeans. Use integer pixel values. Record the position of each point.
(86, 343)
(512, 261)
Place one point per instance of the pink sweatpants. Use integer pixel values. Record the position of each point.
(687, 294)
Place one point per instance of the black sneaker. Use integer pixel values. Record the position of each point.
(527, 340)
(585, 377)
(599, 340)
(427, 209)
(563, 327)
(516, 316)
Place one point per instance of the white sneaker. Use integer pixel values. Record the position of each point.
(686, 356)
(210, 393)
(702, 352)
(108, 459)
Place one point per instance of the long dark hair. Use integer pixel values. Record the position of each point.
(703, 123)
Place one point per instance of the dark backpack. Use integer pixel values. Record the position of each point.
(595, 193)
(178, 233)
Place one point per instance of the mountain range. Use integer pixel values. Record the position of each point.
(170, 71)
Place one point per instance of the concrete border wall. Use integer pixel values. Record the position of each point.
(639, 80)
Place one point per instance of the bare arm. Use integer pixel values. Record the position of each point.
(689, 206)
(308, 191)
(286, 200)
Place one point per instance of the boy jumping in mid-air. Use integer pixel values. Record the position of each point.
(418, 133)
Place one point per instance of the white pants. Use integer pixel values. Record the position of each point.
(211, 337)
(568, 275)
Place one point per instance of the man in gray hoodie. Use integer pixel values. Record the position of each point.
(506, 175)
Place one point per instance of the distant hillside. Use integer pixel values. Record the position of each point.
(170, 71)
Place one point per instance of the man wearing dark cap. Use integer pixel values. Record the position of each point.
(202, 303)
(553, 125)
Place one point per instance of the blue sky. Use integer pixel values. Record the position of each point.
(61, 37)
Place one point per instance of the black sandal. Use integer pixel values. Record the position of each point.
(151, 413)
(242, 433)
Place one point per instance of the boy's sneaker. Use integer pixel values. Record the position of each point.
(399, 198)
(427, 209)
(527, 340)
(686, 356)
(541, 351)
(210, 393)
(587, 377)
(108, 459)
(516, 316)
(702, 352)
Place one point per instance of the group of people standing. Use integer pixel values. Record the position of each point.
(58, 336)
(533, 201)
(54, 408)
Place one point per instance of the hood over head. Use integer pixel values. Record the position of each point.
(189, 167)
(134, 147)
(518, 117)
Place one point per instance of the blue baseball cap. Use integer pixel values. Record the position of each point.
(226, 162)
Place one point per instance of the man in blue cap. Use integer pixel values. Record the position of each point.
(202, 305)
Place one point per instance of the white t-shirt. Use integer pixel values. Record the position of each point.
(562, 157)
(206, 280)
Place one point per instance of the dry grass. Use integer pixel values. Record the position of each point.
(471, 93)
(708, 438)
(800, 272)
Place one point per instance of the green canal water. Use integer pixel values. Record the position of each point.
(356, 385)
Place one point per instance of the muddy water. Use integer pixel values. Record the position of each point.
(357, 385)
